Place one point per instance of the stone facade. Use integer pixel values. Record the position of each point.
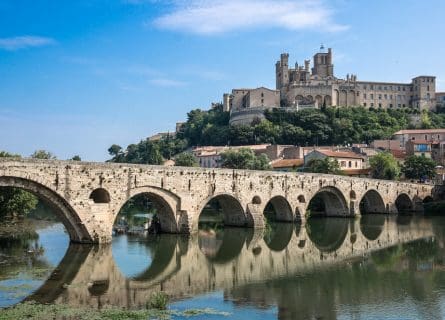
(89, 196)
(322, 87)
(301, 87)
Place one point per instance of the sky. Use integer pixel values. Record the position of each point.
(79, 76)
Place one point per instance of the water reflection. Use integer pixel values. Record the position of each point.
(326, 268)
(327, 234)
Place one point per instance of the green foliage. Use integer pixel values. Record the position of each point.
(158, 300)
(186, 159)
(244, 159)
(14, 202)
(43, 154)
(76, 158)
(326, 165)
(5, 154)
(328, 126)
(419, 167)
(384, 166)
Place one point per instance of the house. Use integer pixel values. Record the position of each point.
(346, 160)
(287, 164)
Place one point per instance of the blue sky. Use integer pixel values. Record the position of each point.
(78, 76)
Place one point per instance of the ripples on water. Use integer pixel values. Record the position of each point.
(376, 267)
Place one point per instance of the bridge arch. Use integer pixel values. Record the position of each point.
(281, 209)
(371, 226)
(230, 207)
(165, 202)
(372, 202)
(328, 201)
(69, 217)
(404, 203)
(327, 234)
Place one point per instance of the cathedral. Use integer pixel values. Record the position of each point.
(301, 87)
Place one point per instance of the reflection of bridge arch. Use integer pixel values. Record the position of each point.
(163, 250)
(232, 210)
(371, 226)
(221, 246)
(372, 202)
(327, 234)
(70, 219)
(278, 235)
(328, 201)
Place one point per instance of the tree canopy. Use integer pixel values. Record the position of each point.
(384, 166)
(244, 159)
(326, 165)
(186, 159)
(43, 154)
(419, 168)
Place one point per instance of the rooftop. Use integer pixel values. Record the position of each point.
(340, 154)
(417, 131)
(287, 163)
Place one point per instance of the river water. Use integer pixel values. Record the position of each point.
(375, 267)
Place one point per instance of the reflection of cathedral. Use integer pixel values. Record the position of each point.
(303, 87)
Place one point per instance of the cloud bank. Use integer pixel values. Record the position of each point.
(23, 42)
(207, 17)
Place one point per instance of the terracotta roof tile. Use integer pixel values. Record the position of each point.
(340, 154)
(287, 163)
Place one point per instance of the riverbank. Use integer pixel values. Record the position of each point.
(18, 229)
(33, 310)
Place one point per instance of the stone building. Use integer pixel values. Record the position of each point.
(319, 85)
(301, 87)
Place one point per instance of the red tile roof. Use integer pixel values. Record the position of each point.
(417, 131)
(354, 172)
(340, 154)
(287, 163)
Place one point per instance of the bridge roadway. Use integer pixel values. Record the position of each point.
(184, 266)
(88, 196)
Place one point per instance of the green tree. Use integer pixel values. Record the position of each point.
(76, 158)
(5, 154)
(325, 165)
(43, 154)
(419, 167)
(244, 158)
(384, 166)
(14, 201)
(186, 159)
(115, 150)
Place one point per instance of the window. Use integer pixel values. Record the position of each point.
(262, 101)
(364, 104)
(390, 105)
(399, 105)
(380, 87)
(398, 88)
(372, 96)
(380, 105)
(372, 87)
(372, 105)
(426, 137)
(390, 96)
(427, 88)
(380, 97)
(385, 88)
(364, 96)
(262, 94)
(343, 163)
(386, 96)
(349, 164)
(356, 164)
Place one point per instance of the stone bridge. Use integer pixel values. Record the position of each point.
(88, 196)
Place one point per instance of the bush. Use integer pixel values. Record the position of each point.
(158, 300)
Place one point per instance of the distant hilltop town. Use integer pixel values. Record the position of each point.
(304, 87)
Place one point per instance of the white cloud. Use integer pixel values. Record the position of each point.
(23, 42)
(220, 16)
(164, 82)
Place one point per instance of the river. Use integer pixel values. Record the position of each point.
(375, 267)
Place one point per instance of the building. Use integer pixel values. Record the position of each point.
(287, 164)
(403, 136)
(301, 87)
(440, 99)
(346, 160)
(420, 148)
